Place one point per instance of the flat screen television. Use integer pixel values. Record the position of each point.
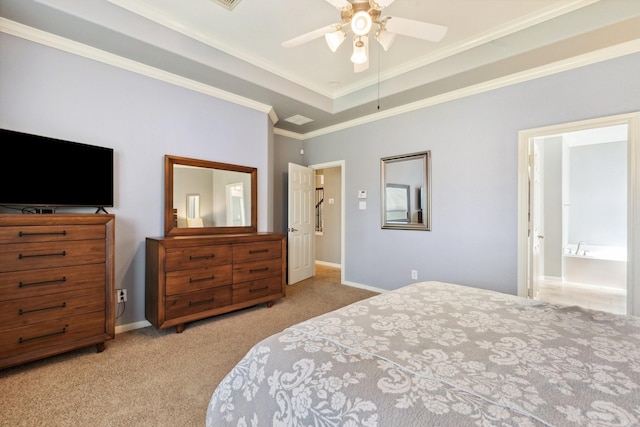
(39, 171)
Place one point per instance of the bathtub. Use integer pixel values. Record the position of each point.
(603, 266)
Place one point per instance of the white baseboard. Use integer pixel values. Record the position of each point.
(365, 287)
(329, 264)
(132, 326)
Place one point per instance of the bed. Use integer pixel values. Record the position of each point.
(440, 354)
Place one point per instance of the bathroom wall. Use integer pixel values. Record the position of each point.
(598, 194)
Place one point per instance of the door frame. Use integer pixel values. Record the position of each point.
(341, 165)
(632, 120)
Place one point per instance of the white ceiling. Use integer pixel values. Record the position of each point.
(240, 52)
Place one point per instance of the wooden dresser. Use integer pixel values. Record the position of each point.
(193, 277)
(56, 284)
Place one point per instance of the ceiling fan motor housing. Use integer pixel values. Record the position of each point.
(360, 6)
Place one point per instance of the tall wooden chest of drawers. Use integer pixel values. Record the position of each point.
(56, 284)
(193, 277)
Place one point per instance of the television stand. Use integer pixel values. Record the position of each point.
(101, 209)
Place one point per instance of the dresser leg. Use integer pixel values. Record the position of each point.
(100, 347)
(269, 304)
(180, 328)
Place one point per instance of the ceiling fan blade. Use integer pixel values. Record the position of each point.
(380, 4)
(417, 29)
(340, 4)
(312, 35)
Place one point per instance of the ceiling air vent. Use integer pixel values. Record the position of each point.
(298, 120)
(228, 4)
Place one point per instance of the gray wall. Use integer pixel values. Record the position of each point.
(287, 150)
(474, 144)
(49, 92)
(598, 194)
(552, 206)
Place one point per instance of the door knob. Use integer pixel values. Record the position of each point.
(540, 236)
(292, 230)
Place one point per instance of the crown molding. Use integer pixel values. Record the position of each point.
(289, 134)
(38, 36)
(158, 16)
(594, 57)
(47, 39)
(165, 20)
(464, 45)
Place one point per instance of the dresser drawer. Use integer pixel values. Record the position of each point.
(244, 252)
(50, 233)
(52, 333)
(248, 291)
(27, 256)
(196, 302)
(29, 311)
(196, 279)
(197, 256)
(256, 270)
(35, 283)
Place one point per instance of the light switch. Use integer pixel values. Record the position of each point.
(362, 206)
(331, 200)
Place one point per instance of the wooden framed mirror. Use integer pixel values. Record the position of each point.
(406, 191)
(227, 197)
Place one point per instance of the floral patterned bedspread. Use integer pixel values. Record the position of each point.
(440, 354)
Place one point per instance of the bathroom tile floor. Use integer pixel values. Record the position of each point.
(556, 291)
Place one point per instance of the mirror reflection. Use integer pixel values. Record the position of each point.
(204, 197)
(193, 211)
(236, 204)
(405, 191)
(218, 200)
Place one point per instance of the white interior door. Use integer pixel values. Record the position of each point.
(301, 227)
(535, 207)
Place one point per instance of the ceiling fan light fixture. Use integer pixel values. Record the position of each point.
(335, 39)
(358, 68)
(385, 38)
(361, 23)
(359, 50)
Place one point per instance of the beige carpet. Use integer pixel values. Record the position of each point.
(149, 377)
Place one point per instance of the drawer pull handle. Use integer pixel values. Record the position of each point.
(207, 301)
(258, 270)
(258, 289)
(63, 253)
(21, 311)
(23, 340)
(46, 282)
(258, 251)
(193, 258)
(203, 279)
(52, 233)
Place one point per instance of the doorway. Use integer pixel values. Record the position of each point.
(302, 222)
(330, 244)
(579, 214)
(595, 214)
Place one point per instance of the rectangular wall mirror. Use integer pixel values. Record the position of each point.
(204, 197)
(406, 191)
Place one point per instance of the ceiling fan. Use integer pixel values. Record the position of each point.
(359, 17)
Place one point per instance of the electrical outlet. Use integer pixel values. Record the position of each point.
(121, 295)
(414, 274)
